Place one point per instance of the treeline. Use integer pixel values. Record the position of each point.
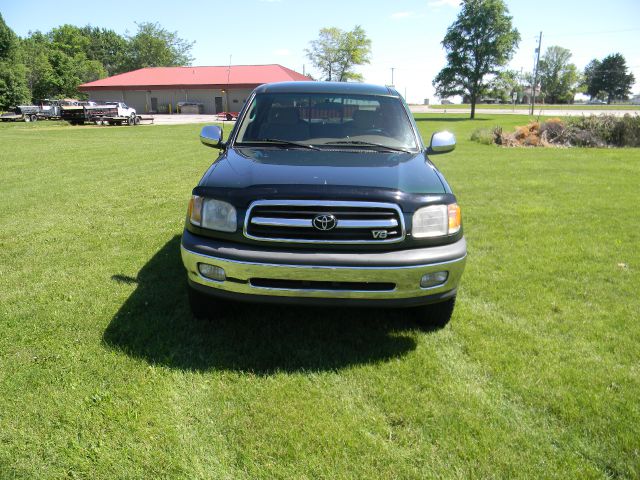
(607, 80)
(53, 64)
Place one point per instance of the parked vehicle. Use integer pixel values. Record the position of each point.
(113, 113)
(324, 194)
(45, 109)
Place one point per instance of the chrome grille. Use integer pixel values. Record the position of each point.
(348, 222)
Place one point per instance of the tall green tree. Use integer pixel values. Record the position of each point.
(478, 44)
(8, 40)
(559, 78)
(335, 53)
(13, 85)
(610, 76)
(57, 62)
(589, 82)
(505, 85)
(107, 47)
(154, 46)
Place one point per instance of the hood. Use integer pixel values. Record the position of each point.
(409, 173)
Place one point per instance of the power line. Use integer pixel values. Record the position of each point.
(602, 32)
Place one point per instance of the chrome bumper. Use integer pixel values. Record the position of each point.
(239, 274)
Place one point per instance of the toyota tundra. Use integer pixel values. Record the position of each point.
(324, 194)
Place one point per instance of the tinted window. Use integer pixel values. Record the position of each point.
(322, 119)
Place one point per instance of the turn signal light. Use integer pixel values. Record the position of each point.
(455, 218)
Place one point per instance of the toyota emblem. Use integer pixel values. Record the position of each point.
(324, 222)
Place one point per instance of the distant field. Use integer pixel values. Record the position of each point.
(105, 375)
(538, 107)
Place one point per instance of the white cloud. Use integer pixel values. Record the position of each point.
(282, 52)
(442, 3)
(399, 15)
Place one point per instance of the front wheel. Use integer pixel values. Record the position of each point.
(436, 315)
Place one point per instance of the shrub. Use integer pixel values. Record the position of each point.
(484, 136)
(553, 131)
(626, 132)
(591, 131)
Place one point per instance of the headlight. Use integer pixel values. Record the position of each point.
(436, 221)
(212, 214)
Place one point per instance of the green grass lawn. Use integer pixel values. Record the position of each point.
(538, 107)
(103, 373)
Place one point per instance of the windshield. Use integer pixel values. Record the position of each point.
(329, 120)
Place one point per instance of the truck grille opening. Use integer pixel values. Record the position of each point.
(308, 221)
(321, 285)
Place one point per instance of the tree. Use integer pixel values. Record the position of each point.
(589, 79)
(609, 76)
(504, 85)
(13, 86)
(57, 62)
(7, 40)
(107, 47)
(336, 52)
(480, 41)
(559, 79)
(154, 46)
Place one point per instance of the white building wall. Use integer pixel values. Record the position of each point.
(232, 99)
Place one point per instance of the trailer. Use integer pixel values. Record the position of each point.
(74, 114)
(111, 113)
(221, 116)
(45, 110)
(21, 113)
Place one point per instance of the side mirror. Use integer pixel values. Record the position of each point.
(211, 136)
(442, 142)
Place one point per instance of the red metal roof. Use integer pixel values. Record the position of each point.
(196, 77)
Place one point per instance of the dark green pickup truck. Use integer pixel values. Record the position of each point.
(324, 194)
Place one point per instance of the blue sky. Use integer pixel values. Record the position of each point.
(406, 34)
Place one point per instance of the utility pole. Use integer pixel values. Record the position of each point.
(392, 69)
(535, 74)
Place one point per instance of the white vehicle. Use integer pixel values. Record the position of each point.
(122, 109)
(113, 113)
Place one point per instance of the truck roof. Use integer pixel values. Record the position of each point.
(327, 87)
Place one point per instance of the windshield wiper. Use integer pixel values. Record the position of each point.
(368, 144)
(280, 143)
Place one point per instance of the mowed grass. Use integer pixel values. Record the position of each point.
(103, 373)
(539, 107)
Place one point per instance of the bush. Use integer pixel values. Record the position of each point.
(591, 131)
(626, 132)
(483, 135)
(553, 131)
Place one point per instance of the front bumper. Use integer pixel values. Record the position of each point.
(309, 278)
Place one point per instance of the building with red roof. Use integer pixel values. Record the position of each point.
(212, 89)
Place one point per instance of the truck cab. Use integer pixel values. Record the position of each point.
(122, 109)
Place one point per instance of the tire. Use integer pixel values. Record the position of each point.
(436, 315)
(132, 119)
(27, 118)
(34, 118)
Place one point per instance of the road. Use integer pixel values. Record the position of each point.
(182, 119)
(160, 119)
(510, 111)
